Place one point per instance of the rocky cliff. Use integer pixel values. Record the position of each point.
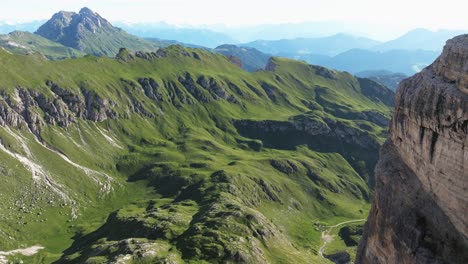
(419, 213)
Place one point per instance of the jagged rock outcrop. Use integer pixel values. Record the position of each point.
(419, 214)
(33, 109)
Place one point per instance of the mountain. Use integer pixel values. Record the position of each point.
(387, 78)
(358, 60)
(329, 46)
(251, 59)
(180, 156)
(420, 39)
(22, 42)
(195, 36)
(87, 31)
(420, 203)
(315, 29)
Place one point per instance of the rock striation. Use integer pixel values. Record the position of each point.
(419, 213)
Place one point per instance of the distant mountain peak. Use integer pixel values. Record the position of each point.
(63, 14)
(87, 11)
(89, 32)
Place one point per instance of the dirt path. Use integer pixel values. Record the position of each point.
(327, 238)
(24, 251)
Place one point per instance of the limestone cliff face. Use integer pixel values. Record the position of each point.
(420, 208)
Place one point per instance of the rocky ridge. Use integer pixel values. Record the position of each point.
(419, 210)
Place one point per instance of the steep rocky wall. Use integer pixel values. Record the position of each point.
(420, 209)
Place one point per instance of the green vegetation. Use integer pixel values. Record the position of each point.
(250, 58)
(180, 156)
(345, 239)
(20, 42)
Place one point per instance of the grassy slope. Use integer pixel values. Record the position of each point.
(189, 142)
(108, 42)
(26, 43)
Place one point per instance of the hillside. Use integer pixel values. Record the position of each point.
(251, 59)
(88, 32)
(181, 155)
(22, 42)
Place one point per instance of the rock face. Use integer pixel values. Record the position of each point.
(453, 63)
(25, 107)
(419, 213)
(63, 25)
(357, 146)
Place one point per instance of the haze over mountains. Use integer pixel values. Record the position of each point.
(176, 151)
(407, 54)
(120, 149)
(178, 155)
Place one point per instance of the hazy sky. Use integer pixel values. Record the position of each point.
(376, 15)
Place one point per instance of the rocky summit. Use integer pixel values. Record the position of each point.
(87, 31)
(419, 213)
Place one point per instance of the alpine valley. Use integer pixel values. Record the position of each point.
(119, 149)
(177, 154)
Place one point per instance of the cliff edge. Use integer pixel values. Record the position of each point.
(420, 208)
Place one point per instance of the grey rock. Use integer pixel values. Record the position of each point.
(420, 204)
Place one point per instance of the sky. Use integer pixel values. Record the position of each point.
(378, 18)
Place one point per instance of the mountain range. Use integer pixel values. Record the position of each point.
(182, 151)
(191, 35)
(88, 33)
(407, 54)
(358, 60)
(328, 46)
(118, 149)
(177, 154)
(420, 39)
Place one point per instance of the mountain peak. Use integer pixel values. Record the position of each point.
(86, 11)
(89, 32)
(63, 15)
(453, 62)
